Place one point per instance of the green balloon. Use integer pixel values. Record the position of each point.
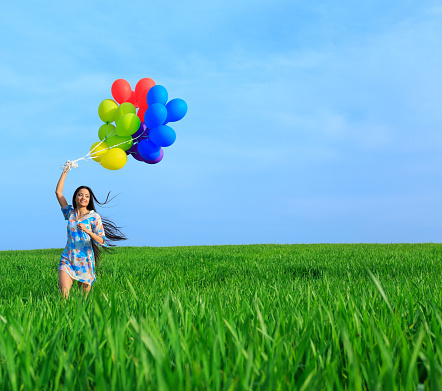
(114, 141)
(128, 125)
(105, 131)
(107, 110)
(124, 108)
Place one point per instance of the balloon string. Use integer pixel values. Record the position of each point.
(113, 146)
(91, 153)
(105, 138)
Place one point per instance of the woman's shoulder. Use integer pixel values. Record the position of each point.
(67, 209)
(94, 214)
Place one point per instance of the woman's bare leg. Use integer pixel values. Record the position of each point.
(86, 287)
(64, 283)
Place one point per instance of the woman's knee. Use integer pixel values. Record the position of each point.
(85, 287)
(65, 281)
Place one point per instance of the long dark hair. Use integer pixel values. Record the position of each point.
(111, 231)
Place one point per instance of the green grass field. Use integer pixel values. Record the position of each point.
(301, 317)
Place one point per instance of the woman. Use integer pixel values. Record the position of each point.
(86, 232)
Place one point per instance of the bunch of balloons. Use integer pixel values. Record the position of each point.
(140, 119)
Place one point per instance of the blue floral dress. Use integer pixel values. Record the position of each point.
(78, 256)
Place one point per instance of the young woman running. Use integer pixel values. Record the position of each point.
(87, 232)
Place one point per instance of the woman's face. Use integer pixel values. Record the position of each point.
(82, 198)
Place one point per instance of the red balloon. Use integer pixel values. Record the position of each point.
(142, 99)
(143, 84)
(141, 112)
(121, 90)
(132, 99)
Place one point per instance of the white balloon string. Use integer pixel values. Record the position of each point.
(91, 154)
(105, 138)
(93, 149)
(69, 165)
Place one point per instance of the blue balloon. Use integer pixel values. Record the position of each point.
(155, 115)
(162, 135)
(157, 94)
(148, 150)
(176, 110)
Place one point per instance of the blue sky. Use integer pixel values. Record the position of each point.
(307, 123)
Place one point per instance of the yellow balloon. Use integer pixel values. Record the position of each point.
(114, 159)
(107, 110)
(123, 142)
(124, 108)
(97, 151)
(105, 131)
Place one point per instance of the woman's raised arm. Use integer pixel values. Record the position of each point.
(59, 190)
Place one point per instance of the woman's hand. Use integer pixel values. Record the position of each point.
(83, 228)
(68, 166)
(95, 237)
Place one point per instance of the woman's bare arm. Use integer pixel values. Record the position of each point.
(90, 233)
(59, 190)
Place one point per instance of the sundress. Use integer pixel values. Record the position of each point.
(78, 256)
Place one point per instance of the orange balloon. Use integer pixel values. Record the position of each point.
(121, 90)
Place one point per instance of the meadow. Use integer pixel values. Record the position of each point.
(254, 317)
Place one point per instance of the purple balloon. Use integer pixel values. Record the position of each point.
(145, 135)
(140, 130)
(132, 149)
(148, 150)
(158, 159)
(138, 157)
